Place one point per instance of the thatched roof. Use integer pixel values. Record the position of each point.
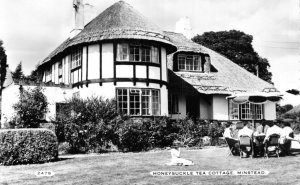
(229, 77)
(119, 21)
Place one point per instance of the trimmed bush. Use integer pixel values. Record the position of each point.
(27, 146)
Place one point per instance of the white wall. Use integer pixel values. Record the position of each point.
(270, 111)
(220, 107)
(164, 64)
(107, 60)
(94, 62)
(84, 63)
(11, 96)
(124, 71)
(141, 71)
(154, 72)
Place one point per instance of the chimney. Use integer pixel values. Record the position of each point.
(78, 23)
(183, 25)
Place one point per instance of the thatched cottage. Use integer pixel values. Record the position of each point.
(121, 54)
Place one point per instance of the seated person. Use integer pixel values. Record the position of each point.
(259, 138)
(233, 144)
(262, 128)
(246, 131)
(287, 138)
(273, 129)
(176, 160)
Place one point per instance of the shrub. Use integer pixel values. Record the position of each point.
(27, 146)
(30, 109)
(138, 134)
(88, 125)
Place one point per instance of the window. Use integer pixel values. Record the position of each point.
(189, 62)
(138, 102)
(76, 58)
(245, 111)
(137, 53)
(173, 104)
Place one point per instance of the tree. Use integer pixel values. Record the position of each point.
(18, 73)
(31, 108)
(280, 110)
(34, 75)
(236, 46)
(3, 64)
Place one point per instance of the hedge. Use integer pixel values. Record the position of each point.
(27, 146)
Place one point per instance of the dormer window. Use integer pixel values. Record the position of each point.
(189, 62)
(137, 53)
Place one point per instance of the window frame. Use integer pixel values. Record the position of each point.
(76, 58)
(144, 53)
(184, 65)
(138, 101)
(246, 111)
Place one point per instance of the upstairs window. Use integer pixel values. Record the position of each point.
(137, 53)
(189, 62)
(76, 58)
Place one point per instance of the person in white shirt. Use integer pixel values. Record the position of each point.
(286, 138)
(233, 143)
(176, 160)
(246, 131)
(274, 129)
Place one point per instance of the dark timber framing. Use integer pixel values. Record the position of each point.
(115, 57)
(108, 80)
(100, 59)
(87, 65)
(160, 62)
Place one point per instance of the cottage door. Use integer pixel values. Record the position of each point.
(193, 106)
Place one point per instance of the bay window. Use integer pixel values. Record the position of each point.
(189, 62)
(137, 53)
(245, 111)
(138, 102)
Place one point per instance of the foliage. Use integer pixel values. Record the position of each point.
(88, 124)
(27, 146)
(3, 63)
(18, 73)
(31, 108)
(237, 46)
(35, 75)
(215, 131)
(281, 110)
(145, 133)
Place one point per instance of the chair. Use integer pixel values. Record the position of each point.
(231, 145)
(246, 141)
(272, 141)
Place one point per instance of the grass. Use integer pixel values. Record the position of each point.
(135, 168)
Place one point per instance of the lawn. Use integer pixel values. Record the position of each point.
(135, 168)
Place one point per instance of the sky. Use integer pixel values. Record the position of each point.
(31, 29)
